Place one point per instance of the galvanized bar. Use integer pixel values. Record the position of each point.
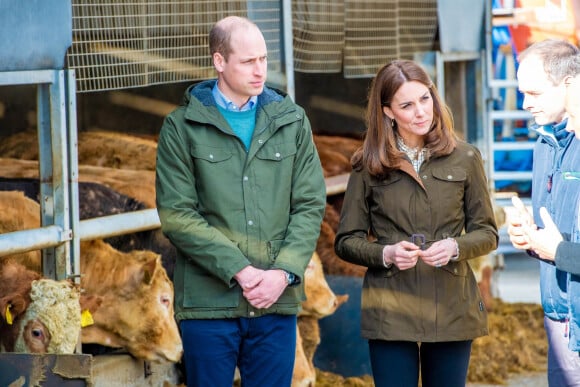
(34, 239)
(94, 228)
(73, 170)
(512, 175)
(112, 225)
(510, 115)
(44, 117)
(440, 74)
(27, 77)
(60, 177)
(288, 47)
(513, 145)
(503, 83)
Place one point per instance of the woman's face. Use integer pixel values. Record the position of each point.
(412, 109)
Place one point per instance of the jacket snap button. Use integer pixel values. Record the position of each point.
(277, 154)
(211, 156)
(449, 177)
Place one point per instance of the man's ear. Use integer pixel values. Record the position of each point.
(218, 62)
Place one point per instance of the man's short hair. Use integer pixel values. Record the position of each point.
(221, 34)
(557, 55)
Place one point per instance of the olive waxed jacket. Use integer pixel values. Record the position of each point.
(449, 195)
(225, 208)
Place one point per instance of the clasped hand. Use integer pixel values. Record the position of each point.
(405, 254)
(261, 288)
(525, 234)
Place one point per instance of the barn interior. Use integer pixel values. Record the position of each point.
(82, 82)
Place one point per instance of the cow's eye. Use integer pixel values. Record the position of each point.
(166, 301)
(37, 333)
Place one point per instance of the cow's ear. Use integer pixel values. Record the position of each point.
(12, 306)
(90, 302)
(149, 268)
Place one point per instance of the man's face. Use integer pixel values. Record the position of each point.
(541, 98)
(573, 105)
(244, 73)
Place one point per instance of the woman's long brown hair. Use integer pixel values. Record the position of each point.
(379, 153)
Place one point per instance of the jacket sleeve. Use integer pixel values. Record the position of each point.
(568, 257)
(177, 203)
(352, 243)
(308, 202)
(481, 235)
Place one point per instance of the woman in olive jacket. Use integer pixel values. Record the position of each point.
(416, 208)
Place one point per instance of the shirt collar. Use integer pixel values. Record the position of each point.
(415, 155)
(226, 103)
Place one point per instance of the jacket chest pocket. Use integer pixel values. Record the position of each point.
(448, 186)
(211, 162)
(275, 162)
(276, 153)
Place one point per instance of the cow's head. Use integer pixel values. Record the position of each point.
(136, 312)
(46, 320)
(52, 320)
(320, 299)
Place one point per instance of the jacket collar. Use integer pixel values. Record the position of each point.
(203, 92)
(555, 134)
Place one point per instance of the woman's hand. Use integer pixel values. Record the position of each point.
(440, 252)
(404, 255)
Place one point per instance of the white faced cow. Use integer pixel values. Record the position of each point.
(38, 315)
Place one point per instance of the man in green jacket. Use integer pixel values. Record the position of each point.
(241, 194)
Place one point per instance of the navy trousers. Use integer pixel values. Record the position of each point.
(397, 363)
(263, 348)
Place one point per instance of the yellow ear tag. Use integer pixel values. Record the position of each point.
(86, 318)
(9, 319)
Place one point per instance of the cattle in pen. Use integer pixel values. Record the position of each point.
(135, 293)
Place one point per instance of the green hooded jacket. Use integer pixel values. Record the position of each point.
(448, 198)
(225, 208)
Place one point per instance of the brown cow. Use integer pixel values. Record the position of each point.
(97, 200)
(320, 302)
(304, 374)
(95, 147)
(320, 299)
(20, 213)
(139, 185)
(137, 302)
(38, 315)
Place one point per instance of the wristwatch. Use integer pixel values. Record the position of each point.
(290, 278)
